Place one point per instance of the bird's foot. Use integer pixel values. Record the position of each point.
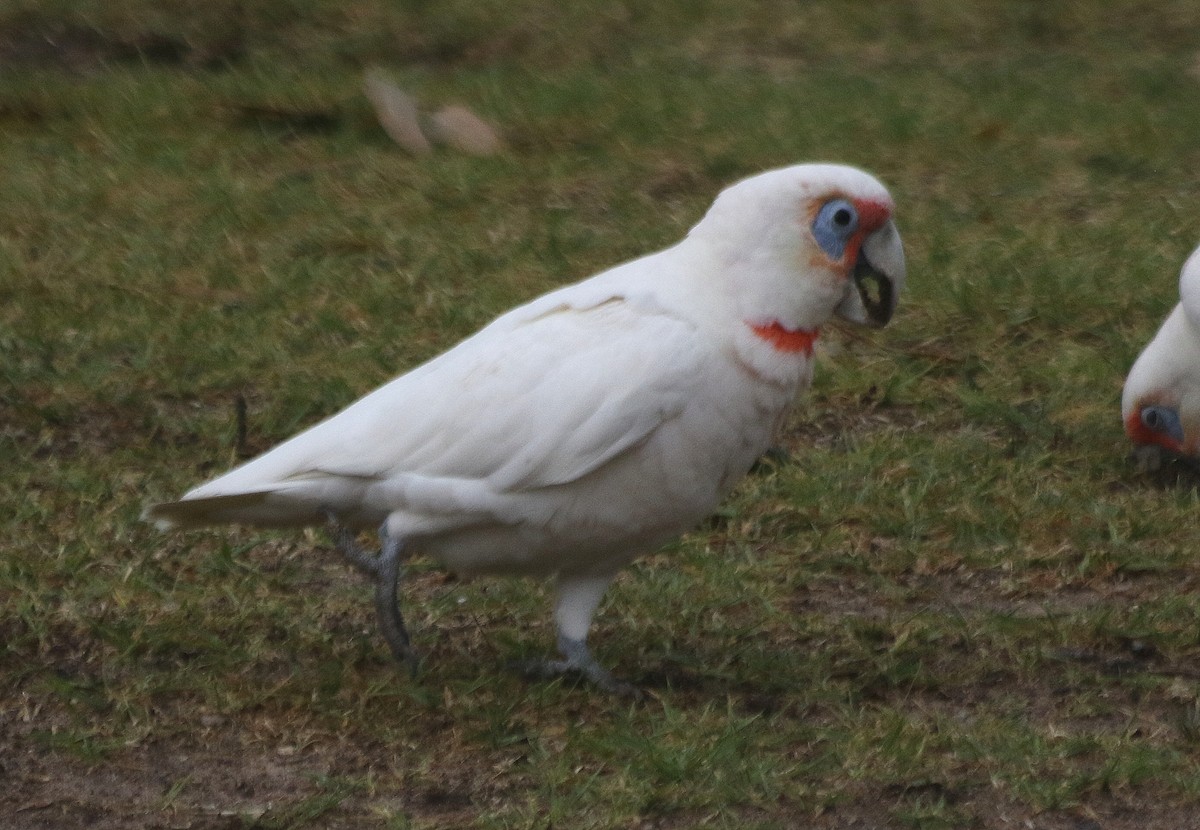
(577, 660)
(384, 570)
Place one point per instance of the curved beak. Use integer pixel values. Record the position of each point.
(876, 280)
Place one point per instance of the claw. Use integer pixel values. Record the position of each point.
(578, 660)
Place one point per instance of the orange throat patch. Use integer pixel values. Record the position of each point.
(789, 341)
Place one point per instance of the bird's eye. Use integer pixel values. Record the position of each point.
(837, 216)
(835, 223)
(1163, 420)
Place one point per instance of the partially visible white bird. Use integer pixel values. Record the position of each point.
(1160, 405)
(598, 421)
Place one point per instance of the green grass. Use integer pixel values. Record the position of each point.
(955, 605)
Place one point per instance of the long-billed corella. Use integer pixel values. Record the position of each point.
(596, 422)
(1160, 405)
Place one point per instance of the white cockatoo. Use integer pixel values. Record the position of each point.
(596, 422)
(1160, 405)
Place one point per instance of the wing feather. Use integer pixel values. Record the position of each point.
(544, 396)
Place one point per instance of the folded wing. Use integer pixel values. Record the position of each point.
(544, 396)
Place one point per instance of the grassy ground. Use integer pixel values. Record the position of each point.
(955, 605)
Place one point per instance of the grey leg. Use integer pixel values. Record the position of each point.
(578, 597)
(384, 570)
(348, 547)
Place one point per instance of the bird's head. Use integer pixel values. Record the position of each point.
(1160, 404)
(859, 243)
(805, 243)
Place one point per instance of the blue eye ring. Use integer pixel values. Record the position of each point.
(835, 223)
(1163, 420)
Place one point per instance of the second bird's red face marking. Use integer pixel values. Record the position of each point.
(1141, 435)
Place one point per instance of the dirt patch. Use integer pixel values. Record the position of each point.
(219, 777)
(840, 421)
(44, 44)
(36, 42)
(991, 808)
(215, 779)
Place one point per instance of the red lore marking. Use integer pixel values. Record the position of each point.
(872, 214)
(782, 339)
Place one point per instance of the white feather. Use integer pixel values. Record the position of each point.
(587, 426)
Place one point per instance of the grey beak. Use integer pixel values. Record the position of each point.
(877, 279)
(876, 292)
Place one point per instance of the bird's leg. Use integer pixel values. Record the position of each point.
(387, 606)
(348, 547)
(577, 600)
(384, 570)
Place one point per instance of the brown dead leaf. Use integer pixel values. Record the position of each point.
(460, 128)
(397, 112)
(454, 125)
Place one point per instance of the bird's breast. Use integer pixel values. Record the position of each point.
(638, 500)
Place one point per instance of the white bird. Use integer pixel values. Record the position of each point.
(596, 422)
(1160, 405)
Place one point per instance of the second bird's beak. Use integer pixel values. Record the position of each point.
(876, 280)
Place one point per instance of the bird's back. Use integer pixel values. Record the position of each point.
(509, 422)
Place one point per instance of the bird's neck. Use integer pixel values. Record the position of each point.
(785, 340)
